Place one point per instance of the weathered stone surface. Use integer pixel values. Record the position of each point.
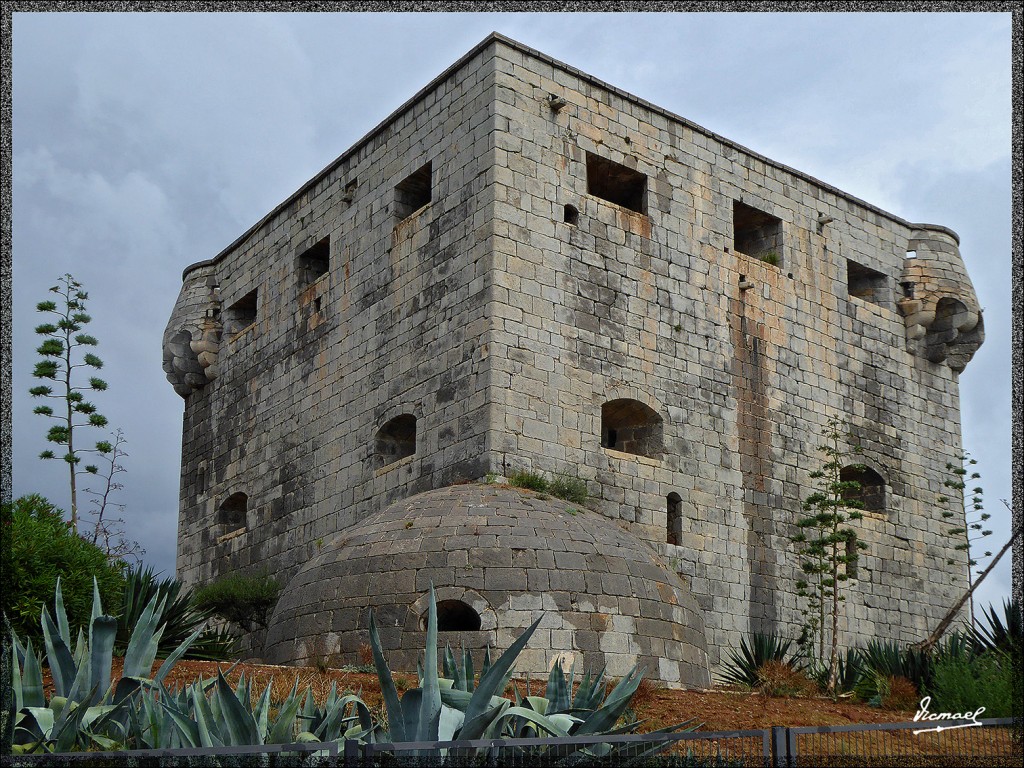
(606, 291)
(324, 596)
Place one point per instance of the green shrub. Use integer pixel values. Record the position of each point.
(531, 481)
(573, 489)
(887, 659)
(1002, 633)
(848, 674)
(779, 679)
(43, 549)
(244, 600)
(962, 685)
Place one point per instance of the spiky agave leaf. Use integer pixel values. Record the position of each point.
(1002, 633)
(479, 711)
(605, 716)
(590, 691)
(557, 692)
(283, 728)
(63, 666)
(27, 676)
(742, 667)
(237, 725)
(430, 701)
(396, 723)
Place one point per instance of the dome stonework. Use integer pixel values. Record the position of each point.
(506, 557)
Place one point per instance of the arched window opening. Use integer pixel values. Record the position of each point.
(674, 525)
(631, 427)
(454, 616)
(395, 440)
(571, 215)
(231, 513)
(871, 487)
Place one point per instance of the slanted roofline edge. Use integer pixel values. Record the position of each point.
(497, 37)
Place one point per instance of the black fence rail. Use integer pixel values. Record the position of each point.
(722, 748)
(994, 742)
(325, 753)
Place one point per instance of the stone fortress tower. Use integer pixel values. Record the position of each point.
(524, 268)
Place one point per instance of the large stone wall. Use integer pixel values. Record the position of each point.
(393, 327)
(744, 360)
(597, 287)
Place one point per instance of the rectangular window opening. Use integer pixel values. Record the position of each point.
(241, 314)
(413, 193)
(756, 233)
(314, 262)
(866, 284)
(616, 183)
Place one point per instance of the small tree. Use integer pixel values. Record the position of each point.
(108, 530)
(63, 355)
(975, 516)
(245, 601)
(827, 548)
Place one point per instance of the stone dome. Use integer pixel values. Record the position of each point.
(499, 558)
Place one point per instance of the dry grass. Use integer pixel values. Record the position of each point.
(776, 678)
(644, 696)
(366, 654)
(718, 710)
(902, 694)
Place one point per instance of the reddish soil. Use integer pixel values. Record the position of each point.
(719, 709)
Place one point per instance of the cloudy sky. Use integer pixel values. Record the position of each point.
(145, 142)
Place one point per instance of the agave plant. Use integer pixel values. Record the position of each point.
(180, 618)
(213, 714)
(742, 666)
(463, 710)
(885, 659)
(88, 708)
(1002, 634)
(849, 672)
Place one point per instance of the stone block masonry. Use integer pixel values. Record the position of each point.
(524, 268)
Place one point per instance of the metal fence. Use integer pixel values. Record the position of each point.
(259, 755)
(991, 742)
(723, 748)
(901, 745)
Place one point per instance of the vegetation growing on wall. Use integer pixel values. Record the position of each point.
(827, 547)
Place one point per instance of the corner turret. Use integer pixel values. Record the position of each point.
(192, 337)
(944, 322)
